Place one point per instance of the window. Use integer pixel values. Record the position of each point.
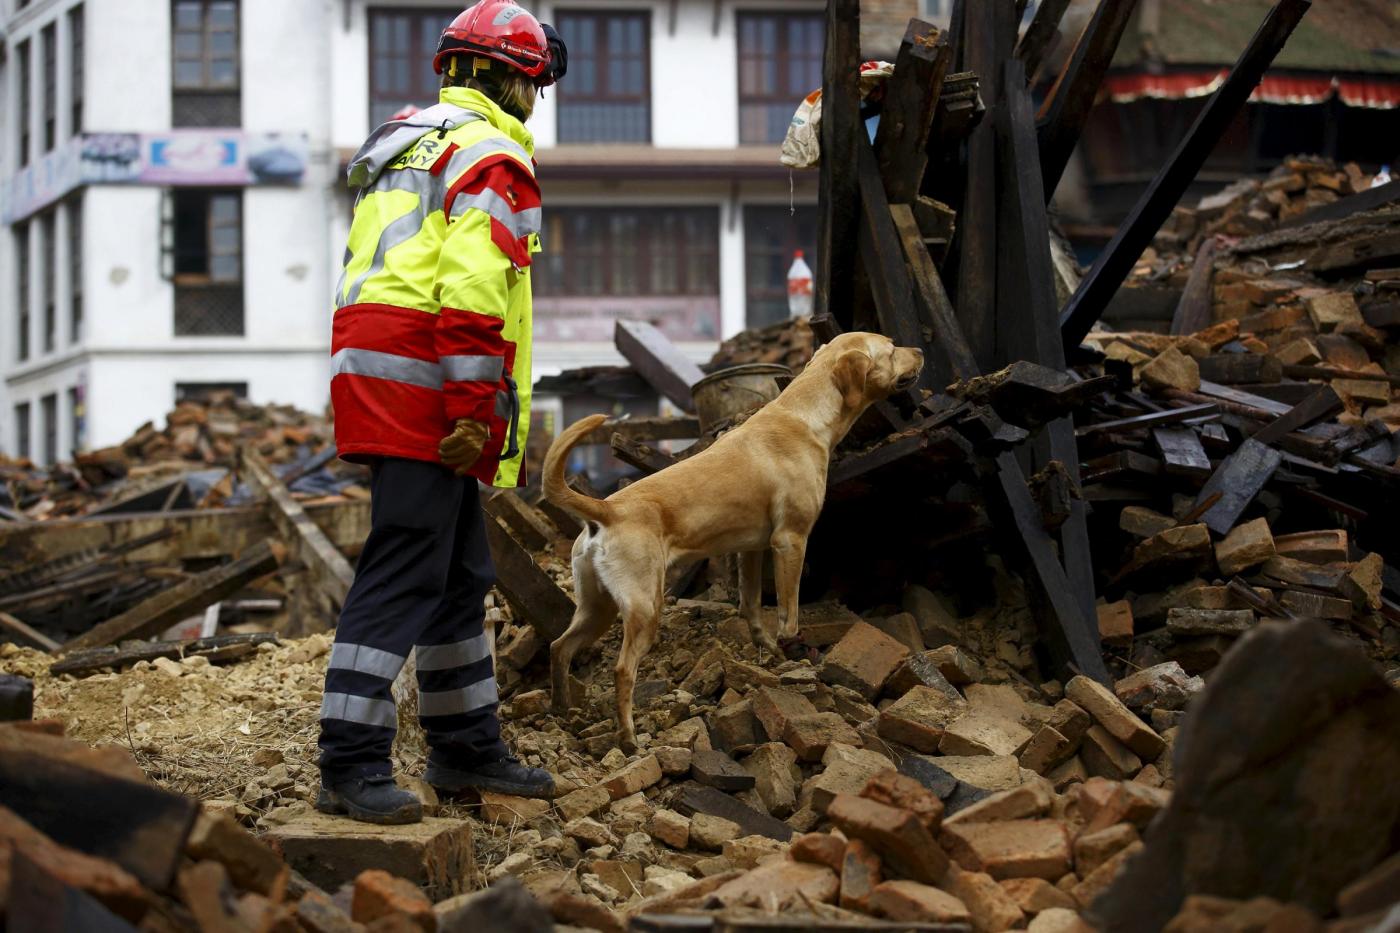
(207, 392)
(207, 262)
(402, 44)
(22, 282)
(48, 277)
(48, 407)
(77, 52)
(638, 251)
(23, 447)
(772, 235)
(75, 267)
(26, 114)
(205, 62)
(75, 418)
(607, 96)
(49, 37)
(780, 62)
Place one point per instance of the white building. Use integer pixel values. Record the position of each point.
(175, 210)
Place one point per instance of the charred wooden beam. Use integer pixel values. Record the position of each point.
(183, 600)
(524, 521)
(642, 456)
(537, 599)
(1367, 200)
(911, 98)
(660, 362)
(1066, 108)
(1036, 42)
(939, 322)
(216, 648)
(1088, 302)
(23, 632)
(838, 206)
(1238, 480)
(1193, 310)
(1154, 419)
(1182, 453)
(659, 428)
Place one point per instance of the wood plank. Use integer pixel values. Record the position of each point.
(26, 633)
(1065, 111)
(1205, 411)
(1248, 400)
(911, 97)
(133, 823)
(697, 798)
(1036, 41)
(1088, 302)
(947, 356)
(528, 525)
(1238, 480)
(1367, 200)
(642, 456)
(183, 600)
(658, 360)
(1314, 408)
(660, 428)
(838, 193)
(86, 662)
(1193, 310)
(1182, 453)
(329, 569)
(199, 534)
(537, 599)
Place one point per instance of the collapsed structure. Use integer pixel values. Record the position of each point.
(1102, 622)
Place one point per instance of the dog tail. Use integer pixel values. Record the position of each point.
(557, 491)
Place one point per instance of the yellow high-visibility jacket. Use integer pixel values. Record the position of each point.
(432, 317)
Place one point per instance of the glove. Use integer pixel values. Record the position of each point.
(462, 448)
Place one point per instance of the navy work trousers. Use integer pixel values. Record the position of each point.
(420, 585)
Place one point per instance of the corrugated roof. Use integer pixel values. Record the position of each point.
(1335, 36)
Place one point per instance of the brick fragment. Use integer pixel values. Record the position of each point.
(903, 628)
(902, 840)
(1105, 756)
(1011, 848)
(716, 769)
(1046, 749)
(670, 827)
(923, 668)
(711, 832)
(774, 707)
(1171, 369)
(750, 851)
(637, 776)
(673, 760)
(1030, 800)
(810, 736)
(1161, 686)
(899, 790)
(1088, 890)
(734, 726)
(1116, 624)
(779, 885)
(861, 872)
(1033, 895)
(251, 865)
(1330, 310)
(911, 901)
(379, 894)
(1058, 920)
(979, 733)
(1069, 720)
(585, 801)
(505, 809)
(1067, 773)
(992, 908)
(863, 660)
(1107, 710)
(771, 766)
(1189, 623)
(1247, 545)
(986, 772)
(1092, 849)
(956, 665)
(819, 848)
(845, 770)
(918, 718)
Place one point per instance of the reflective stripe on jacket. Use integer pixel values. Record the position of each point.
(432, 317)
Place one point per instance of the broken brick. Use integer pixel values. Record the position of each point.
(771, 766)
(818, 848)
(899, 790)
(863, 660)
(779, 885)
(911, 901)
(810, 736)
(1116, 624)
(918, 718)
(1030, 800)
(670, 827)
(716, 769)
(1092, 849)
(774, 708)
(1107, 710)
(637, 776)
(1105, 756)
(902, 840)
(991, 907)
(585, 801)
(1247, 545)
(1046, 749)
(861, 872)
(1034, 895)
(1011, 848)
(379, 894)
(980, 733)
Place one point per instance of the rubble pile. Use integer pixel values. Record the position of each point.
(788, 343)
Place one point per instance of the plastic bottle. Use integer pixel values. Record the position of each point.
(799, 284)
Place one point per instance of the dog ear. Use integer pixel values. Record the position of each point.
(850, 373)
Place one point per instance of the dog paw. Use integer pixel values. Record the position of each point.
(628, 744)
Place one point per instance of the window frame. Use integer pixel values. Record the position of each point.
(48, 423)
(74, 204)
(48, 44)
(196, 293)
(783, 95)
(24, 277)
(568, 92)
(77, 67)
(24, 54)
(419, 56)
(75, 417)
(48, 278)
(763, 215)
(206, 57)
(24, 430)
(601, 256)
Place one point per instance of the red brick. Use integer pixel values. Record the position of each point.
(780, 885)
(1010, 848)
(379, 894)
(902, 840)
(818, 849)
(251, 865)
(774, 708)
(898, 790)
(1093, 849)
(1108, 711)
(1116, 624)
(863, 660)
(1105, 756)
(1045, 750)
(861, 871)
(1126, 802)
(1088, 890)
(919, 718)
(1033, 895)
(810, 736)
(993, 909)
(637, 776)
(908, 901)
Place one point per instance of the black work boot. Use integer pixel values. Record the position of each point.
(373, 799)
(452, 775)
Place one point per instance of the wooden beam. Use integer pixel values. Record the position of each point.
(181, 601)
(1039, 34)
(329, 569)
(1065, 111)
(950, 358)
(1367, 200)
(658, 360)
(26, 633)
(911, 97)
(528, 525)
(200, 534)
(216, 648)
(1238, 480)
(660, 428)
(1193, 310)
(1088, 302)
(1152, 419)
(1182, 453)
(537, 599)
(642, 456)
(838, 199)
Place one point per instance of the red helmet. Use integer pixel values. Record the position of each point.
(498, 29)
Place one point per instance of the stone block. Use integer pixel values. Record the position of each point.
(863, 660)
(810, 736)
(585, 801)
(1108, 711)
(980, 733)
(1247, 545)
(671, 828)
(918, 718)
(909, 901)
(903, 841)
(435, 854)
(1010, 848)
(634, 777)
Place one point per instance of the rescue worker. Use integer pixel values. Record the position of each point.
(430, 360)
